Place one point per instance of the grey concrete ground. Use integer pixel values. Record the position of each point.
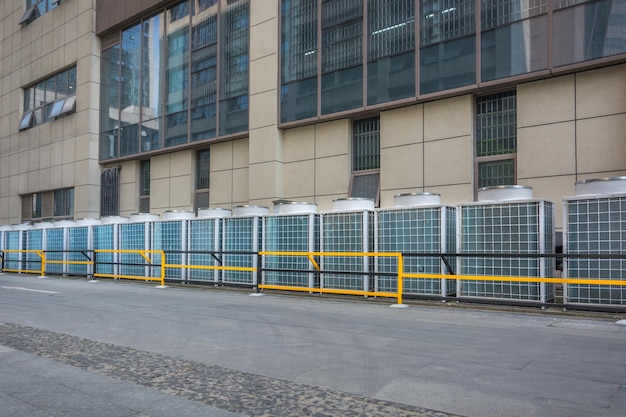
(129, 349)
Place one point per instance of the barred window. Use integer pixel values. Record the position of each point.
(444, 20)
(144, 186)
(110, 191)
(496, 13)
(496, 139)
(365, 179)
(342, 34)
(299, 40)
(203, 169)
(391, 26)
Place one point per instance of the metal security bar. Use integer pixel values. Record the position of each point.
(140, 253)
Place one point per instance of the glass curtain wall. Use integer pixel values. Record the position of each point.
(162, 80)
(587, 29)
(514, 37)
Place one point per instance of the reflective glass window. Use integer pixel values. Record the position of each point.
(586, 30)
(109, 102)
(130, 90)
(391, 50)
(447, 44)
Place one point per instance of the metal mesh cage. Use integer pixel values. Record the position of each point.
(55, 245)
(596, 226)
(34, 241)
(205, 235)
(104, 239)
(347, 232)
(416, 230)
(14, 240)
(241, 234)
(525, 227)
(170, 237)
(79, 242)
(291, 233)
(134, 236)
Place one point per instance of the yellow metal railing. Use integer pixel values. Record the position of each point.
(592, 281)
(39, 253)
(144, 254)
(311, 256)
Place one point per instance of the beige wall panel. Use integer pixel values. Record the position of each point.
(69, 124)
(69, 150)
(241, 151)
(453, 194)
(600, 144)
(160, 166)
(56, 132)
(68, 175)
(401, 167)
(546, 150)
(129, 173)
(332, 138)
(546, 101)
(33, 160)
(44, 156)
(56, 177)
(129, 199)
(87, 45)
(299, 179)
(402, 126)
(448, 162)
(601, 92)
(87, 147)
(263, 77)
(262, 11)
(71, 52)
(14, 184)
(240, 184)
(265, 145)
(182, 163)
(86, 173)
(553, 189)
(22, 162)
(4, 206)
(70, 27)
(86, 22)
(299, 144)
(180, 193)
(448, 118)
(264, 114)
(264, 39)
(86, 202)
(221, 188)
(15, 209)
(265, 181)
(332, 175)
(33, 182)
(44, 179)
(4, 165)
(159, 194)
(222, 156)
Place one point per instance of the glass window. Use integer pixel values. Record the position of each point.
(203, 161)
(365, 179)
(177, 78)
(36, 9)
(496, 139)
(298, 59)
(151, 86)
(514, 38)
(144, 186)
(130, 90)
(447, 44)
(342, 55)
(64, 202)
(233, 107)
(44, 101)
(110, 191)
(586, 30)
(391, 50)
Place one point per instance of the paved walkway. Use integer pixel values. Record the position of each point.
(238, 392)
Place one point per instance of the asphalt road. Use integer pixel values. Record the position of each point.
(187, 351)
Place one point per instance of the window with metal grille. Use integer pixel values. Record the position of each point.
(365, 179)
(144, 186)
(496, 139)
(110, 191)
(203, 165)
(64, 203)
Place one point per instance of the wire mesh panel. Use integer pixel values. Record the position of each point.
(14, 240)
(205, 235)
(596, 226)
(506, 228)
(104, 239)
(55, 245)
(348, 232)
(34, 241)
(416, 230)
(169, 236)
(291, 233)
(134, 236)
(241, 234)
(79, 245)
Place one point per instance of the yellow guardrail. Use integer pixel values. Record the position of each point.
(39, 253)
(311, 256)
(144, 254)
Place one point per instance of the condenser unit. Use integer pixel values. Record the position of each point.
(205, 244)
(294, 227)
(418, 224)
(242, 240)
(106, 236)
(595, 223)
(170, 236)
(506, 220)
(135, 236)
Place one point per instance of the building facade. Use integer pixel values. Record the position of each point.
(116, 107)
